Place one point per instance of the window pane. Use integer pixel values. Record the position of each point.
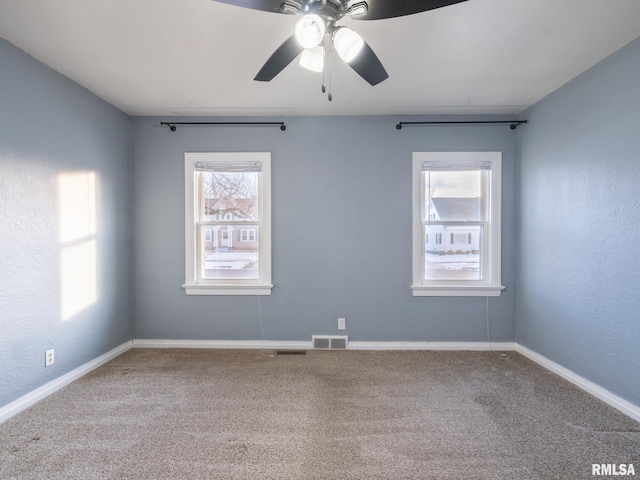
(452, 253)
(453, 195)
(231, 252)
(230, 196)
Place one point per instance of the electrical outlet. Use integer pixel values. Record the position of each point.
(342, 323)
(48, 358)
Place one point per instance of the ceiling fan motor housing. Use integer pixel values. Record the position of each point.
(330, 10)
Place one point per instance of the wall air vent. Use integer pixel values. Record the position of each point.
(327, 342)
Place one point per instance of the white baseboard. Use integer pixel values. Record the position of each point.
(597, 391)
(301, 345)
(224, 344)
(47, 389)
(475, 346)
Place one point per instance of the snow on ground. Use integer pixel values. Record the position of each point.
(231, 260)
(452, 262)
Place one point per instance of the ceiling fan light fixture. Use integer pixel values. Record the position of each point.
(348, 43)
(313, 58)
(310, 30)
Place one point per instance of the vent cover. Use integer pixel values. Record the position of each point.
(326, 342)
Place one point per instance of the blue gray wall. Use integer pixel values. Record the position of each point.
(341, 234)
(578, 234)
(51, 127)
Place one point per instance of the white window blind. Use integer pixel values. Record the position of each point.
(428, 166)
(229, 167)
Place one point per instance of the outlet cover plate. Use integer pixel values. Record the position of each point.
(49, 358)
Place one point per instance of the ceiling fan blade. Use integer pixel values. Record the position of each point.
(368, 66)
(379, 9)
(282, 57)
(263, 5)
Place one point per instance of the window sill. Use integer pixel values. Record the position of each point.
(209, 289)
(456, 291)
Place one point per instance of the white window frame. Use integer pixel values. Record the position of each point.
(195, 286)
(490, 284)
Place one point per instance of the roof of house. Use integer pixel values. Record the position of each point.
(452, 209)
(243, 208)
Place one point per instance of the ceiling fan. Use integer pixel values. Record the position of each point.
(318, 20)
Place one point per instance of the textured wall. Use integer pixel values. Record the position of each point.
(578, 234)
(341, 234)
(63, 159)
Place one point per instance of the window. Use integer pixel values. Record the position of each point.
(247, 235)
(227, 224)
(456, 201)
(459, 237)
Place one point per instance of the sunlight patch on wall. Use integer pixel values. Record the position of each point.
(78, 277)
(78, 256)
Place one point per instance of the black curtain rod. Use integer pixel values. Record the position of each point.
(513, 124)
(172, 125)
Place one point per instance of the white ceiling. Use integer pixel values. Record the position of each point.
(199, 57)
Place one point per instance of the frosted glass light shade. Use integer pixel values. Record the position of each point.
(348, 43)
(310, 30)
(313, 58)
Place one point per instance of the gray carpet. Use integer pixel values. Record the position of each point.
(240, 414)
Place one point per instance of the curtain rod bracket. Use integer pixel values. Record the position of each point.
(513, 124)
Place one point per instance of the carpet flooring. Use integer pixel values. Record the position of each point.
(244, 414)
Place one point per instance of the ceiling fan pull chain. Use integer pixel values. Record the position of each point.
(330, 96)
(324, 65)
